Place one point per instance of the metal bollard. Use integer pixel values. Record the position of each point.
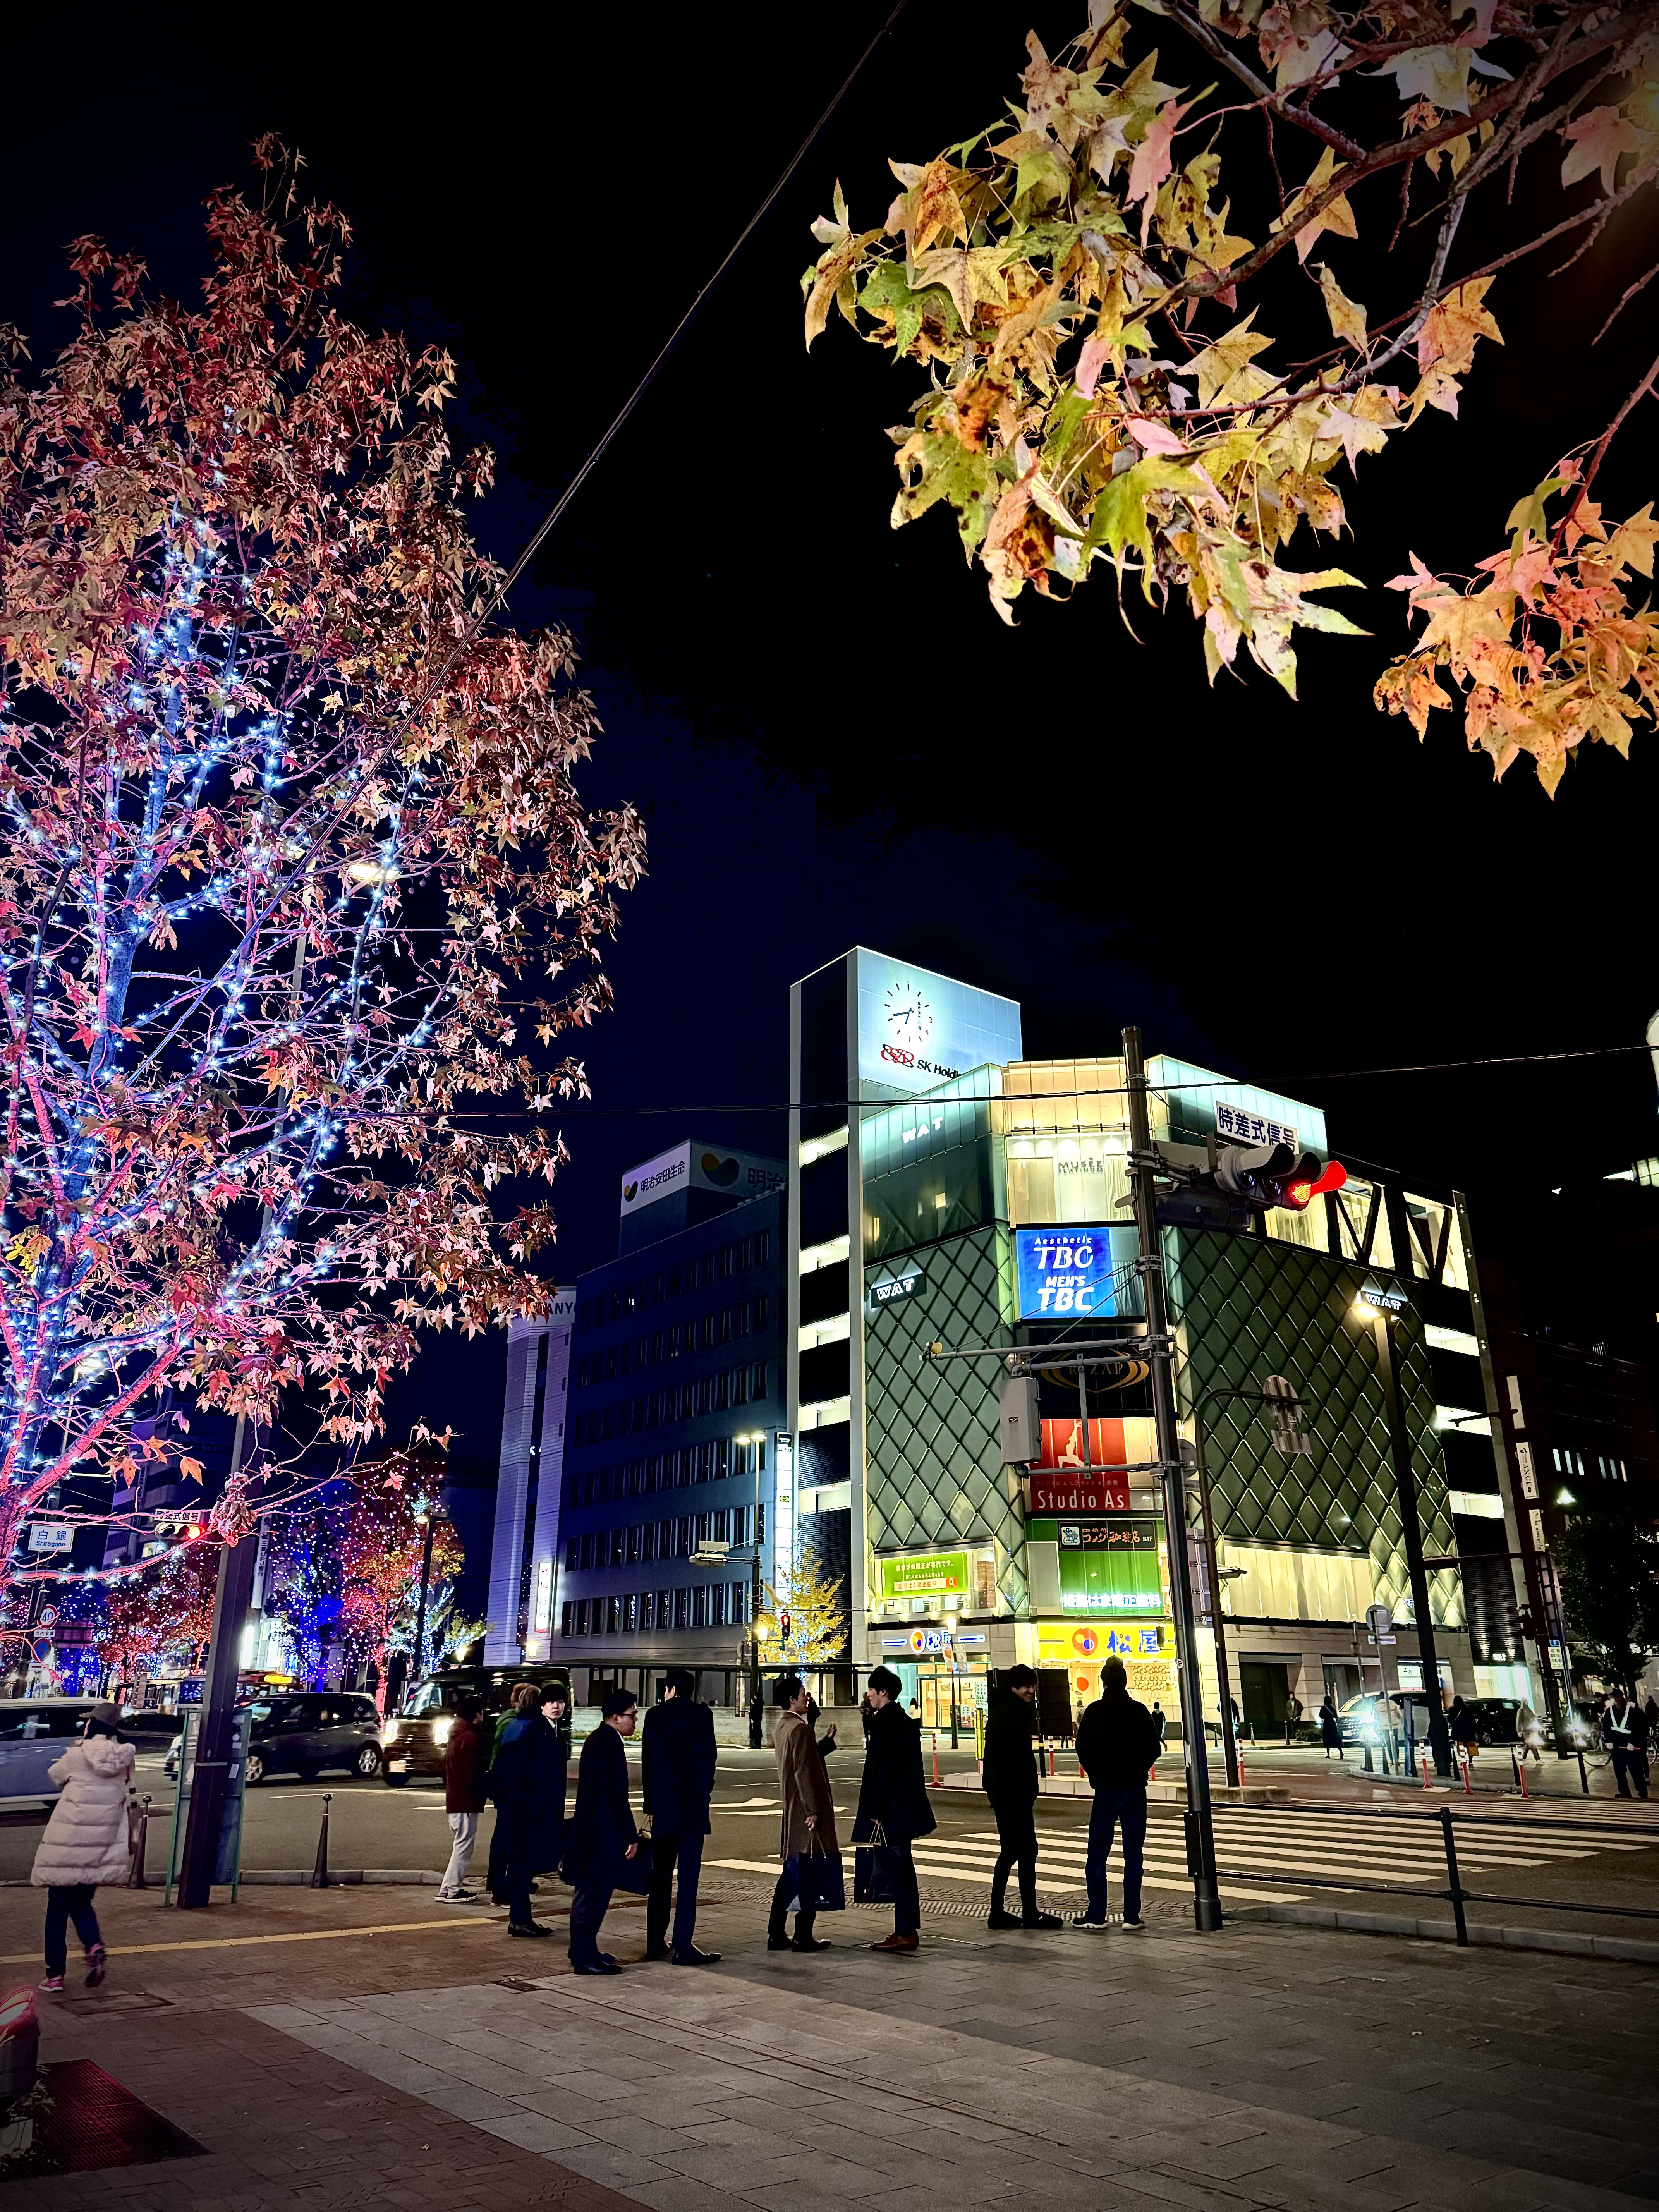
(1583, 1778)
(1467, 1763)
(1427, 1784)
(140, 1848)
(1521, 1777)
(319, 1873)
(1454, 1886)
(936, 1758)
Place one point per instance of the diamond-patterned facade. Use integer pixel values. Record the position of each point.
(932, 1452)
(1248, 1308)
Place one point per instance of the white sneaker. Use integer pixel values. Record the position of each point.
(1134, 1926)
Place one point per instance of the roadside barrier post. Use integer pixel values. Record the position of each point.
(140, 1847)
(319, 1872)
(1456, 1887)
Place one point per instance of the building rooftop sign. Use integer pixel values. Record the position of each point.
(916, 1029)
(1201, 1103)
(696, 1166)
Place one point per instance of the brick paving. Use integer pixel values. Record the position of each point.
(1286, 2070)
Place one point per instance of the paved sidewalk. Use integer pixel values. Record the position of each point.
(1282, 2069)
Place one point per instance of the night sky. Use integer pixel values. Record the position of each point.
(833, 738)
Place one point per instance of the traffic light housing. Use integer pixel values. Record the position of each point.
(1264, 1177)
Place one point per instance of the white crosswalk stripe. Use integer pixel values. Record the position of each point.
(1264, 1850)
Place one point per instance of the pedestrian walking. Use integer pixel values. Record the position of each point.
(1625, 1732)
(602, 1837)
(867, 1714)
(86, 1841)
(464, 1798)
(676, 1767)
(808, 1830)
(1161, 1722)
(527, 1784)
(1010, 1780)
(1528, 1732)
(1651, 1715)
(1330, 1729)
(1117, 1747)
(893, 1807)
(1460, 1721)
(1292, 1716)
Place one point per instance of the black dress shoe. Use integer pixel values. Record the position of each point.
(1043, 1920)
(811, 1943)
(777, 1943)
(527, 1928)
(1003, 1920)
(596, 1966)
(655, 1951)
(692, 1957)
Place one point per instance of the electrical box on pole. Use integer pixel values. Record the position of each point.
(1022, 1429)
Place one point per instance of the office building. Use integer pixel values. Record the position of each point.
(676, 1444)
(524, 1552)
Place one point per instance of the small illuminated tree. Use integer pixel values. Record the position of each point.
(292, 866)
(817, 1614)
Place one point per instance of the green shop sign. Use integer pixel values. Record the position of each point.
(924, 1574)
(1108, 1565)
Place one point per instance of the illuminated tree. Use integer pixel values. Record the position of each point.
(293, 865)
(817, 1618)
(382, 1543)
(164, 1611)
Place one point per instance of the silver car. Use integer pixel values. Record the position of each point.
(33, 1733)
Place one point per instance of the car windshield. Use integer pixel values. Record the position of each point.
(430, 1697)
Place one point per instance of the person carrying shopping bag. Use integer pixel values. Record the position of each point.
(86, 1841)
(893, 1810)
(812, 1879)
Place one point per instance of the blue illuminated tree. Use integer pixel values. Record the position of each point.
(292, 866)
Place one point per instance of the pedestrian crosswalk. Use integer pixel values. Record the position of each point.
(1264, 1853)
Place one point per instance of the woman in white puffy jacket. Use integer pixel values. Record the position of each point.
(85, 1841)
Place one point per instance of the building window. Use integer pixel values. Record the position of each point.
(740, 1386)
(566, 1618)
(582, 1616)
(737, 1607)
(700, 1606)
(717, 1606)
(682, 1609)
(757, 1380)
(630, 1606)
(664, 1608)
(612, 1615)
(635, 1535)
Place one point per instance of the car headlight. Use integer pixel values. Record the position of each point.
(440, 1732)
(391, 1732)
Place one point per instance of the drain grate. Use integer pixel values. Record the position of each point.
(88, 2121)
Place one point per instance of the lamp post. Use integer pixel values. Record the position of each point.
(1380, 1309)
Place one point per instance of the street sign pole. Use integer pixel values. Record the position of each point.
(1207, 1896)
(231, 1599)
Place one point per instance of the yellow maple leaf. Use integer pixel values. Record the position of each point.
(1347, 316)
(1337, 218)
(1220, 362)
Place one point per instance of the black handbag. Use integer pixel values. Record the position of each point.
(634, 1875)
(875, 1871)
(817, 1881)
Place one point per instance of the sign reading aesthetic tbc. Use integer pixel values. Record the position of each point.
(1064, 1273)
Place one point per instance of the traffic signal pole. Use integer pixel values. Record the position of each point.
(1411, 1529)
(1142, 1163)
(232, 1597)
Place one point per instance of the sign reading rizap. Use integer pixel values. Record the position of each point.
(924, 1574)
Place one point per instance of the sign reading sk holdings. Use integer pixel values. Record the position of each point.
(1064, 1272)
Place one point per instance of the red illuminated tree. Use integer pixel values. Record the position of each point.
(382, 1546)
(293, 864)
(165, 1611)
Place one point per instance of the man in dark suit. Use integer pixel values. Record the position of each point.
(676, 1764)
(1010, 1780)
(601, 1836)
(893, 1799)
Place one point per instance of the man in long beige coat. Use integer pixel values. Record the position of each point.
(809, 1811)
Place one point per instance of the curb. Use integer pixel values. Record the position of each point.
(1557, 1940)
(1158, 1793)
(414, 1877)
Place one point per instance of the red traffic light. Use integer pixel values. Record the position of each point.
(1300, 1191)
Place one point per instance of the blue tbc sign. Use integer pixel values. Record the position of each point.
(1064, 1272)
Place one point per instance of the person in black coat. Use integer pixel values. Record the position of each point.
(676, 1764)
(602, 1835)
(893, 1799)
(1117, 1746)
(526, 1782)
(1009, 1776)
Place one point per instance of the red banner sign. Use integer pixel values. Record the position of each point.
(1078, 1491)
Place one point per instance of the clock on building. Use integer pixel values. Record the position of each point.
(907, 1016)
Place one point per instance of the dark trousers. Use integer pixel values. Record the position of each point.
(71, 1902)
(1017, 1845)
(1628, 1766)
(907, 1913)
(778, 1925)
(588, 1909)
(667, 1853)
(1110, 1807)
